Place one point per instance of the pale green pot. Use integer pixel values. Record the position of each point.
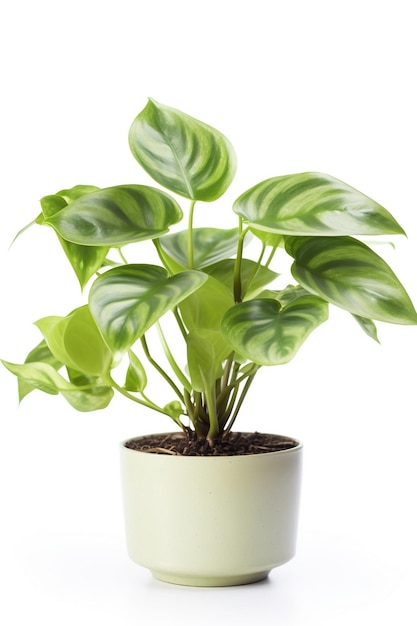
(211, 521)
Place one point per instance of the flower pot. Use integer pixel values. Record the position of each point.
(211, 521)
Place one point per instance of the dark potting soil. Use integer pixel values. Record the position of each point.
(232, 444)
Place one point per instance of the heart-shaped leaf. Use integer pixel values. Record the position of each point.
(85, 260)
(181, 153)
(76, 341)
(205, 307)
(266, 333)
(347, 273)
(253, 276)
(313, 204)
(210, 245)
(116, 216)
(126, 301)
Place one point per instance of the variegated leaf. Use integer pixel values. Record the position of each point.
(347, 273)
(126, 301)
(85, 260)
(210, 245)
(266, 333)
(313, 204)
(181, 153)
(116, 216)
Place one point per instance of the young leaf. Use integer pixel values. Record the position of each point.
(206, 351)
(76, 341)
(268, 334)
(116, 216)
(94, 399)
(181, 153)
(126, 301)
(345, 272)
(136, 379)
(205, 307)
(313, 204)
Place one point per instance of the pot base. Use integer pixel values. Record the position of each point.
(209, 581)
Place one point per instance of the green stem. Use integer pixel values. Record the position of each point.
(159, 369)
(122, 256)
(236, 382)
(175, 367)
(240, 402)
(237, 277)
(214, 423)
(190, 243)
(271, 256)
(148, 403)
(180, 323)
(256, 270)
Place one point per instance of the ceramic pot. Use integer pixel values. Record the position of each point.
(211, 521)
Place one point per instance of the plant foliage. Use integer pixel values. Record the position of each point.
(226, 307)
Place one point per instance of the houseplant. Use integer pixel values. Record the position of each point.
(228, 312)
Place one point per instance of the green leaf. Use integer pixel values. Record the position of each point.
(286, 295)
(174, 409)
(85, 400)
(313, 204)
(253, 276)
(347, 273)
(44, 377)
(76, 192)
(181, 153)
(116, 216)
(205, 307)
(85, 260)
(40, 353)
(126, 301)
(41, 376)
(76, 341)
(210, 245)
(51, 205)
(136, 379)
(269, 239)
(268, 334)
(368, 327)
(206, 351)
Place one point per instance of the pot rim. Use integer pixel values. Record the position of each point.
(299, 445)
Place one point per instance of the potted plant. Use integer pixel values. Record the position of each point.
(212, 299)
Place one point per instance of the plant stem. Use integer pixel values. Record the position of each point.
(175, 367)
(271, 256)
(180, 323)
(122, 256)
(190, 243)
(159, 369)
(211, 406)
(240, 402)
(148, 403)
(237, 277)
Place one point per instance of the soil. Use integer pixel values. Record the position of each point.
(232, 444)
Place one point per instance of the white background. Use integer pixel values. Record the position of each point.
(326, 86)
